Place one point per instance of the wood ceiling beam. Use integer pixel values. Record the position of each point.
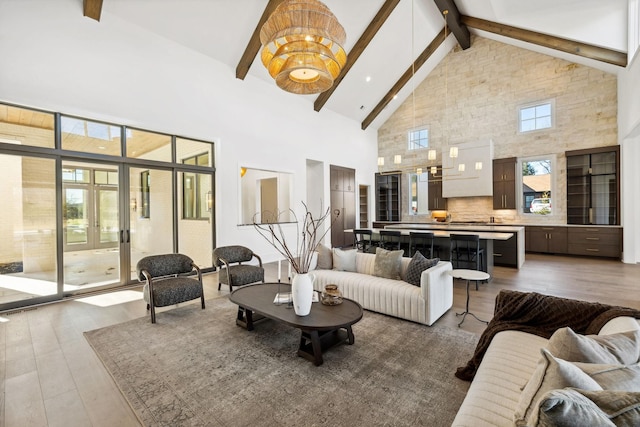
(254, 44)
(362, 43)
(404, 79)
(92, 9)
(459, 30)
(569, 46)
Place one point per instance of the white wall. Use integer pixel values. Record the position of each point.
(55, 59)
(629, 137)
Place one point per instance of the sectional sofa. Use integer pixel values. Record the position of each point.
(395, 297)
(567, 378)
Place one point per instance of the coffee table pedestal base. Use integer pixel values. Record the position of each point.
(314, 343)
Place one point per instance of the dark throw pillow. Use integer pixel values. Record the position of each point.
(416, 266)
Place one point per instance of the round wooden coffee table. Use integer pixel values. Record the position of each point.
(468, 275)
(324, 327)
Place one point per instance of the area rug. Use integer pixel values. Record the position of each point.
(197, 368)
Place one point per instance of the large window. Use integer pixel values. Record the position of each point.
(418, 139)
(195, 190)
(418, 194)
(537, 185)
(534, 117)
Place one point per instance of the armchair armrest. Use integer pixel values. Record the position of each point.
(436, 285)
(258, 258)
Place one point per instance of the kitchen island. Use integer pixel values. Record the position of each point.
(507, 244)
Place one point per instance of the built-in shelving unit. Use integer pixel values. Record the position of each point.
(593, 186)
(388, 197)
(363, 192)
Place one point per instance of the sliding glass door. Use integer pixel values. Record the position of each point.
(28, 229)
(84, 201)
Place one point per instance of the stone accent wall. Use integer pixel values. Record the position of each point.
(474, 94)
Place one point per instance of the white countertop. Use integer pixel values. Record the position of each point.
(485, 227)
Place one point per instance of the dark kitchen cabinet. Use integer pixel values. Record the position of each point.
(343, 205)
(552, 240)
(436, 201)
(504, 183)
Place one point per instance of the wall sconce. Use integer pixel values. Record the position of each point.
(397, 159)
(209, 201)
(453, 152)
(419, 171)
(431, 155)
(478, 166)
(461, 167)
(380, 161)
(434, 170)
(134, 204)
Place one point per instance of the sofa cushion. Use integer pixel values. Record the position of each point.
(344, 260)
(613, 377)
(590, 408)
(620, 348)
(387, 263)
(551, 373)
(325, 257)
(568, 406)
(621, 407)
(417, 265)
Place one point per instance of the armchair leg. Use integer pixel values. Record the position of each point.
(219, 285)
(153, 314)
(202, 300)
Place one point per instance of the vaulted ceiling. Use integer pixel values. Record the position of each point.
(392, 45)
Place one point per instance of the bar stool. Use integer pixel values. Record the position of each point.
(465, 252)
(362, 240)
(423, 242)
(390, 240)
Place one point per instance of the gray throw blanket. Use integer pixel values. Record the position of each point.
(541, 315)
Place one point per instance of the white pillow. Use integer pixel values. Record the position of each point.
(344, 260)
(620, 348)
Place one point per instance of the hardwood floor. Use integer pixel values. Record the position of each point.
(51, 376)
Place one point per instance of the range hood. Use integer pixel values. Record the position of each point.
(471, 182)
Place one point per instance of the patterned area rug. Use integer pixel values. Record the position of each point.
(197, 368)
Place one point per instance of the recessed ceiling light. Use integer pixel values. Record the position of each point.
(367, 79)
(395, 96)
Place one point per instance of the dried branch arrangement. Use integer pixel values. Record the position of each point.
(309, 234)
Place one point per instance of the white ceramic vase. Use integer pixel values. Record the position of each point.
(302, 293)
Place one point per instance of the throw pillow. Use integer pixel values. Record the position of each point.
(344, 260)
(416, 266)
(387, 263)
(325, 258)
(569, 407)
(621, 348)
(551, 373)
(613, 377)
(621, 407)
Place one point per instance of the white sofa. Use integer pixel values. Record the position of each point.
(424, 304)
(506, 367)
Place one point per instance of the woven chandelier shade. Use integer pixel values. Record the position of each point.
(302, 46)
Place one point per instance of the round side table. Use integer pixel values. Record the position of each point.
(468, 275)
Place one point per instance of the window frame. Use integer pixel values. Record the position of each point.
(422, 198)
(552, 115)
(198, 214)
(520, 199)
(410, 132)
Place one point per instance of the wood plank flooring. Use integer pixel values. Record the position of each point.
(51, 376)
